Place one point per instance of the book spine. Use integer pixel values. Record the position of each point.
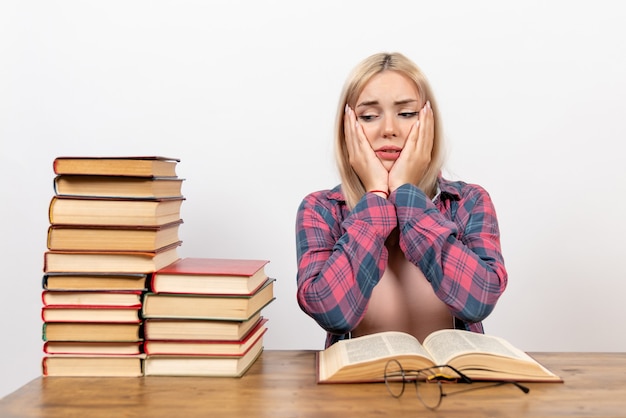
(50, 210)
(107, 307)
(44, 369)
(151, 281)
(49, 238)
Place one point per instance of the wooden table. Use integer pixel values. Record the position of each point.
(282, 384)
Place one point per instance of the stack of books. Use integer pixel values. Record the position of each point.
(203, 317)
(113, 222)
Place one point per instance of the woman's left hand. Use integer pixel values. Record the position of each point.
(415, 157)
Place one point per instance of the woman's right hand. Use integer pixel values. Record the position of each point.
(363, 160)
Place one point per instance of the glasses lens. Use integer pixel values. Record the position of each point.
(394, 378)
(428, 390)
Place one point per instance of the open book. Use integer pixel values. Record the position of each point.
(479, 356)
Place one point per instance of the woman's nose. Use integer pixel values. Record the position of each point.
(389, 128)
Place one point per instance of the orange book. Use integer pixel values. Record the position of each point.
(92, 365)
(112, 237)
(110, 261)
(73, 210)
(91, 331)
(210, 276)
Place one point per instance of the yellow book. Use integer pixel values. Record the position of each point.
(146, 166)
(118, 186)
(224, 307)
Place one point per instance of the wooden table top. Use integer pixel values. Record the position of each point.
(282, 383)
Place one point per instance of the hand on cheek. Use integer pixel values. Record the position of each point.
(415, 157)
(363, 160)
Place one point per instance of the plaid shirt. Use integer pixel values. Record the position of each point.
(454, 240)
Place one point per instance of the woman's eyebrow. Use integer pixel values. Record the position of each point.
(405, 101)
(396, 103)
(368, 103)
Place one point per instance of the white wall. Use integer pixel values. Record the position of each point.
(532, 95)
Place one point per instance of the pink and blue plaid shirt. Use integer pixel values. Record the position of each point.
(454, 240)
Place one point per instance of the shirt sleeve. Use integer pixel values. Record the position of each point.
(461, 257)
(340, 260)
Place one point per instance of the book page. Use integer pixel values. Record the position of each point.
(387, 344)
(446, 344)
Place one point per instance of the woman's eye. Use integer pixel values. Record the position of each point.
(408, 114)
(367, 118)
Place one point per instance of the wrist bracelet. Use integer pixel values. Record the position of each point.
(380, 191)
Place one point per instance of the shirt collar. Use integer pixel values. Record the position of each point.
(336, 194)
(445, 189)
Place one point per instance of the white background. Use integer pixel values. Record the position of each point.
(532, 96)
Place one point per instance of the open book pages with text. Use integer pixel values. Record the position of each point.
(481, 357)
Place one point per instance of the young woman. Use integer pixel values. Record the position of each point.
(395, 246)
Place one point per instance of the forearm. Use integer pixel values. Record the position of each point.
(461, 258)
(340, 262)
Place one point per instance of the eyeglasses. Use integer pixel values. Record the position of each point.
(429, 382)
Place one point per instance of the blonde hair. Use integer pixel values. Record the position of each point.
(351, 185)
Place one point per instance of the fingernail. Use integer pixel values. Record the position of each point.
(346, 108)
(428, 104)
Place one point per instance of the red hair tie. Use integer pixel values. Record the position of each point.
(380, 191)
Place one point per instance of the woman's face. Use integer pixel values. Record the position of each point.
(387, 108)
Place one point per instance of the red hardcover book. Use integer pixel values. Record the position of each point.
(198, 329)
(232, 366)
(83, 313)
(92, 331)
(130, 298)
(210, 276)
(92, 365)
(206, 347)
(94, 348)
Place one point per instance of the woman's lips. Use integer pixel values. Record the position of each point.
(390, 154)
